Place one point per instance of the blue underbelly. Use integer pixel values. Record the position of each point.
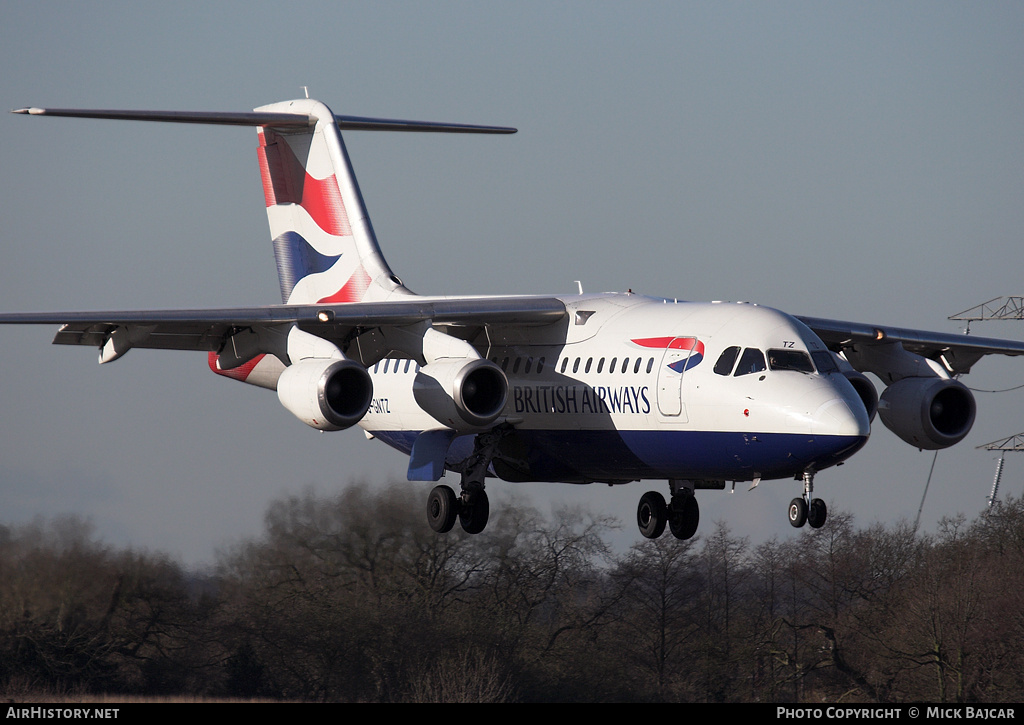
(582, 456)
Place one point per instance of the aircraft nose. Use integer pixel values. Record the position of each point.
(841, 416)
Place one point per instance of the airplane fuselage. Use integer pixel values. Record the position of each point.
(634, 387)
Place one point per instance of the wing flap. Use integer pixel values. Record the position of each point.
(156, 337)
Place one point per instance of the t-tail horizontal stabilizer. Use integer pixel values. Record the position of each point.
(262, 118)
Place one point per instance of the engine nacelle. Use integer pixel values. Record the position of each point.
(326, 394)
(866, 391)
(929, 413)
(461, 393)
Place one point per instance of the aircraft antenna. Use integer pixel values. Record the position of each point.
(305, 89)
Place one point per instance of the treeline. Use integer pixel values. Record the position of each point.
(352, 598)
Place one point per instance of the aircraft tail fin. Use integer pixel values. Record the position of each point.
(324, 244)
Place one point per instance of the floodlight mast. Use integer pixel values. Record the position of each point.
(1013, 443)
(997, 308)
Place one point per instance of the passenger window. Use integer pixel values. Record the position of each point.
(504, 364)
(751, 362)
(407, 364)
(565, 364)
(576, 365)
(726, 360)
(625, 364)
(797, 360)
(529, 364)
(650, 365)
(540, 366)
(586, 368)
(516, 364)
(611, 365)
(636, 366)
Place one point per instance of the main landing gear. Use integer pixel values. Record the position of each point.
(682, 514)
(808, 510)
(471, 507)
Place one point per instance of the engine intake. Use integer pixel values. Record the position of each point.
(865, 391)
(930, 413)
(462, 393)
(326, 394)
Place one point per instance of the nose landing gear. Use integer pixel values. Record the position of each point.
(807, 510)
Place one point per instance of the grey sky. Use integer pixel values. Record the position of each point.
(854, 160)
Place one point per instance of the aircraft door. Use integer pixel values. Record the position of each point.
(670, 378)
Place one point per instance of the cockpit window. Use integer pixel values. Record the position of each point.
(752, 361)
(825, 362)
(797, 360)
(726, 360)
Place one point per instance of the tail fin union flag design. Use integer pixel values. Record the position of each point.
(287, 181)
(695, 346)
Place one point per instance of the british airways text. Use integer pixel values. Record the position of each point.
(574, 399)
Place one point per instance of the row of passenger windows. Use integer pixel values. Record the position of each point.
(752, 361)
(613, 365)
(528, 365)
(537, 365)
(524, 363)
(396, 365)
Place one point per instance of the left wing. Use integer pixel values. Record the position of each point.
(209, 330)
(956, 353)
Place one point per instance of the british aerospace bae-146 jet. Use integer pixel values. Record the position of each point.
(585, 388)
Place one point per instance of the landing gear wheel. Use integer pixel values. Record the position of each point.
(798, 512)
(817, 513)
(442, 508)
(651, 514)
(683, 516)
(474, 512)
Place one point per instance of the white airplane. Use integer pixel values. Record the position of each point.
(608, 388)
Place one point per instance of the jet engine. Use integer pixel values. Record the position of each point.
(929, 413)
(326, 394)
(461, 393)
(865, 391)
